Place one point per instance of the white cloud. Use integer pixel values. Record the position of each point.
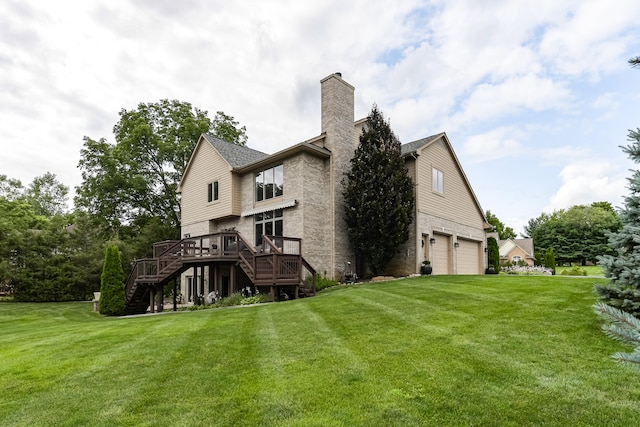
(490, 101)
(588, 181)
(592, 38)
(608, 104)
(506, 73)
(495, 144)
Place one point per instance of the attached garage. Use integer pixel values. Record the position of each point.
(441, 260)
(469, 257)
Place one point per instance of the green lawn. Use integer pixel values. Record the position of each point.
(434, 351)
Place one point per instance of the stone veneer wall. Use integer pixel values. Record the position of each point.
(428, 224)
(409, 257)
(315, 210)
(337, 99)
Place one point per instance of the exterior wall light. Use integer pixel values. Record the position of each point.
(456, 245)
(432, 240)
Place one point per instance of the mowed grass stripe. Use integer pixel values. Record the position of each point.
(121, 378)
(449, 351)
(467, 348)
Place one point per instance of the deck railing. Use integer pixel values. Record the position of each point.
(277, 260)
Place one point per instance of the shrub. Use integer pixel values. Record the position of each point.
(526, 270)
(231, 300)
(112, 293)
(323, 282)
(196, 307)
(575, 271)
(550, 260)
(493, 255)
(256, 299)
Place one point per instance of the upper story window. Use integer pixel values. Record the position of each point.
(437, 181)
(269, 183)
(212, 191)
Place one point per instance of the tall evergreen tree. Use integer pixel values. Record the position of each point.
(112, 292)
(623, 268)
(493, 254)
(550, 260)
(623, 327)
(378, 194)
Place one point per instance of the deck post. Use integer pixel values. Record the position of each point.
(194, 285)
(232, 279)
(175, 294)
(160, 300)
(152, 297)
(201, 280)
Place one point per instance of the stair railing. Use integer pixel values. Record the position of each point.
(247, 255)
(278, 259)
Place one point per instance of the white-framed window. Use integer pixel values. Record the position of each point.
(212, 191)
(437, 178)
(516, 258)
(269, 183)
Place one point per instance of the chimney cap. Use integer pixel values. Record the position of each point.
(339, 74)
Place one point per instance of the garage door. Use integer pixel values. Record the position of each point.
(441, 254)
(468, 257)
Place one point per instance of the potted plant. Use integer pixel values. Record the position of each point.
(426, 267)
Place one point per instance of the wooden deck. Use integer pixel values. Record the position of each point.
(276, 263)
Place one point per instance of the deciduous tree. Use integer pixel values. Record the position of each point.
(227, 128)
(577, 234)
(38, 251)
(128, 183)
(48, 196)
(378, 194)
(10, 188)
(503, 231)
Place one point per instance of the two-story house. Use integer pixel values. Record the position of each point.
(297, 192)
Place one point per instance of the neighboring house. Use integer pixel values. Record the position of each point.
(515, 250)
(297, 192)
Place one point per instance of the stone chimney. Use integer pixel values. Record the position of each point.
(337, 103)
(337, 110)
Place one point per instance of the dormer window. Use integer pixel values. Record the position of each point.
(269, 183)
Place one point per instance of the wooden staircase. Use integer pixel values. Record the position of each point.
(277, 263)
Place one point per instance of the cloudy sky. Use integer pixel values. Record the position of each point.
(535, 96)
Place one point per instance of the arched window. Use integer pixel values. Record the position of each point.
(516, 258)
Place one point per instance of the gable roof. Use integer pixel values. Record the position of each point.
(306, 146)
(234, 154)
(242, 159)
(413, 149)
(506, 246)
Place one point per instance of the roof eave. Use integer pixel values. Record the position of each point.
(303, 147)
